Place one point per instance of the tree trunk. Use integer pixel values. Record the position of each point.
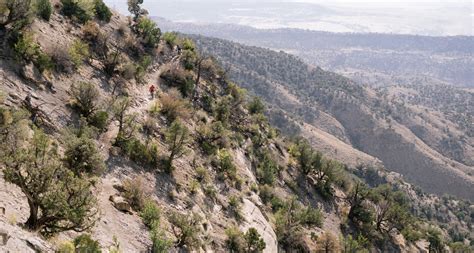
(198, 78)
(121, 123)
(379, 225)
(32, 222)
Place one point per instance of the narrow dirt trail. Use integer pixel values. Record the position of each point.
(142, 99)
(111, 218)
(141, 102)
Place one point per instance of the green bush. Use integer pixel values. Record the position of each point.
(225, 164)
(256, 106)
(86, 97)
(149, 32)
(60, 200)
(207, 103)
(85, 244)
(177, 137)
(235, 206)
(142, 67)
(135, 193)
(311, 216)
(435, 240)
(460, 247)
(327, 242)
(78, 53)
(43, 62)
(277, 203)
(139, 152)
(188, 44)
(26, 49)
(179, 78)
(194, 186)
(350, 244)
(288, 227)
(237, 94)
(412, 235)
(189, 59)
(268, 197)
(65, 247)
(222, 110)
(5, 116)
(170, 38)
(267, 169)
(81, 156)
(234, 202)
(100, 120)
(235, 240)
(161, 244)
(210, 191)
(135, 8)
(201, 174)
(187, 229)
(265, 193)
(211, 137)
(82, 10)
(44, 9)
(150, 213)
(254, 243)
(102, 12)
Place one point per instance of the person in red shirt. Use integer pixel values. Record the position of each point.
(152, 91)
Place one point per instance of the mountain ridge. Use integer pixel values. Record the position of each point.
(244, 60)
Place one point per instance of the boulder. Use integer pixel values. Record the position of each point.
(119, 187)
(253, 217)
(120, 203)
(4, 236)
(32, 74)
(35, 244)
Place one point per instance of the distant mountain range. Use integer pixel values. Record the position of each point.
(376, 59)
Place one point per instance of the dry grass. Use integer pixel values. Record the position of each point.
(173, 106)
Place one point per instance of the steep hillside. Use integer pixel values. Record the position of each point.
(407, 139)
(94, 159)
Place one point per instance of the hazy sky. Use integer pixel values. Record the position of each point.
(425, 17)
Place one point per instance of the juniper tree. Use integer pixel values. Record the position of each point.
(254, 243)
(135, 8)
(186, 229)
(177, 137)
(391, 211)
(119, 111)
(13, 11)
(82, 157)
(58, 200)
(85, 96)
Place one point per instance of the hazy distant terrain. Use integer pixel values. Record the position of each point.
(402, 17)
(376, 59)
